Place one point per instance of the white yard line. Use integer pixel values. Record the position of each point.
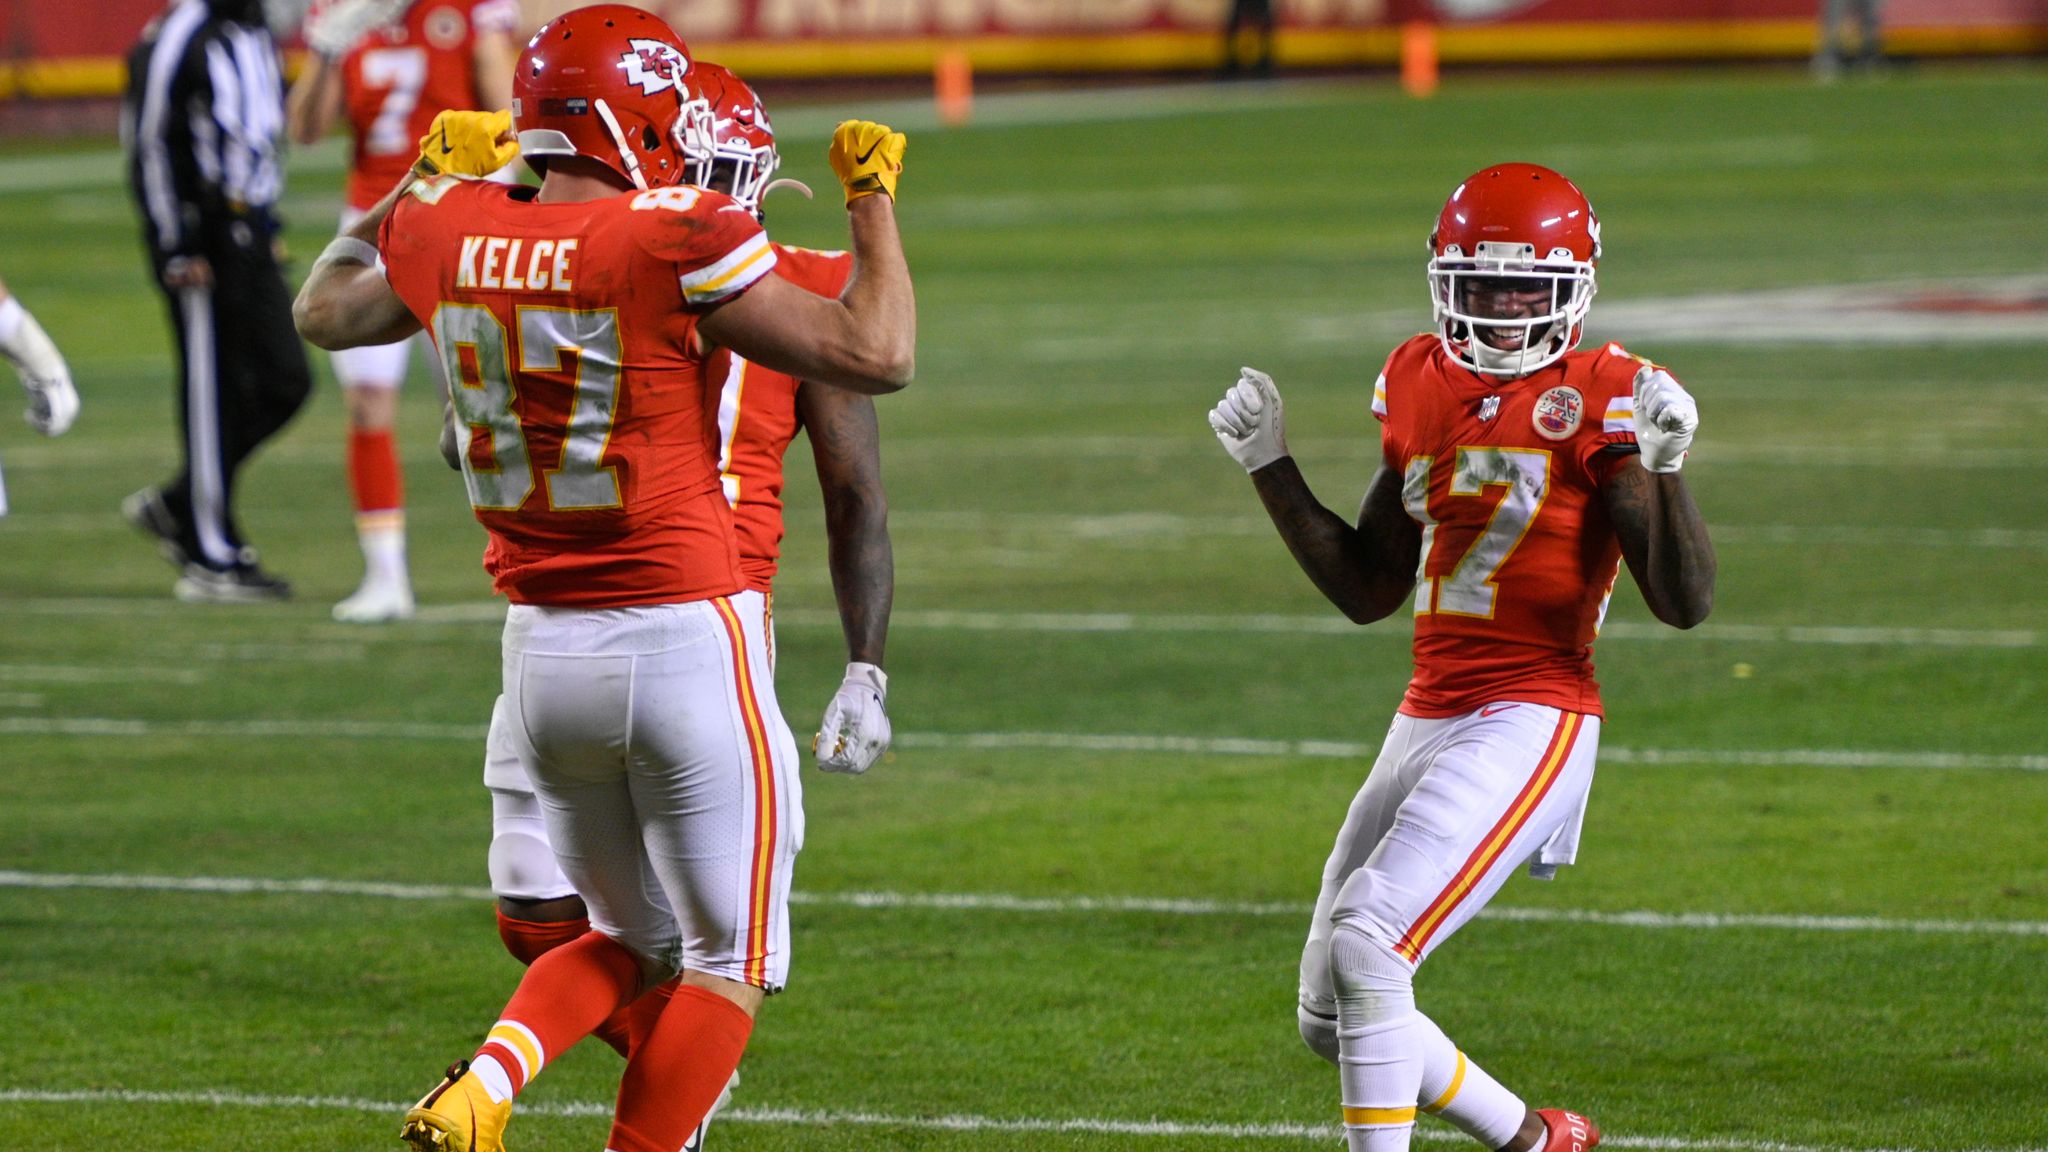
(1051, 905)
(1328, 624)
(96, 674)
(306, 729)
(492, 612)
(958, 1122)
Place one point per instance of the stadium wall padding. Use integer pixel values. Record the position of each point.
(48, 52)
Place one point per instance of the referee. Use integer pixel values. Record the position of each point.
(204, 112)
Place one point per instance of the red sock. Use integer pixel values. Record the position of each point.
(529, 940)
(566, 993)
(677, 1072)
(642, 1014)
(373, 470)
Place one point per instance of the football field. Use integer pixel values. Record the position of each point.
(242, 849)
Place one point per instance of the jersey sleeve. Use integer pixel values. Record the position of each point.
(1615, 397)
(716, 247)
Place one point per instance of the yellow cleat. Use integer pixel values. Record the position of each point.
(457, 1116)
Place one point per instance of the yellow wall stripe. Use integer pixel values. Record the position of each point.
(1378, 1116)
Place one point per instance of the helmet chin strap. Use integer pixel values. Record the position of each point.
(611, 124)
(786, 182)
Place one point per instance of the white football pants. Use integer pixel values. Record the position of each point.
(665, 777)
(1451, 808)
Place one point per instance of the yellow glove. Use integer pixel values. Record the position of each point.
(467, 144)
(867, 157)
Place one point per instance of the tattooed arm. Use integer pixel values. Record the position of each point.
(1368, 570)
(1664, 540)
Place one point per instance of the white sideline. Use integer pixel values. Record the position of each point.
(1004, 902)
(824, 1118)
(92, 726)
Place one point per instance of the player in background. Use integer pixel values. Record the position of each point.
(1517, 475)
(640, 700)
(52, 401)
(731, 148)
(388, 67)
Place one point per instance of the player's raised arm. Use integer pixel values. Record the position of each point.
(846, 445)
(1367, 569)
(1662, 534)
(345, 301)
(867, 339)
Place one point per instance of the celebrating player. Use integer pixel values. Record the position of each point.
(731, 148)
(573, 323)
(390, 66)
(1518, 474)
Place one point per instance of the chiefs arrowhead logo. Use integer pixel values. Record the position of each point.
(653, 66)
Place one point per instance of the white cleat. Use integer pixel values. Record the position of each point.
(696, 1142)
(375, 603)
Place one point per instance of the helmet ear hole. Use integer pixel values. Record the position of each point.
(649, 139)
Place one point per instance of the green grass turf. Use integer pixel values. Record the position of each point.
(1086, 290)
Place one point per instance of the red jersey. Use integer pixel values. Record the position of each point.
(1518, 555)
(567, 331)
(757, 419)
(399, 78)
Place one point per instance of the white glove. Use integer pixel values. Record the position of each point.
(1249, 421)
(855, 731)
(1666, 419)
(52, 401)
(339, 27)
(52, 404)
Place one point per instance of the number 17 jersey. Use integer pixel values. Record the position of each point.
(1518, 554)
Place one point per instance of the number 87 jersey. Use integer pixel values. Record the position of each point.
(1518, 555)
(567, 331)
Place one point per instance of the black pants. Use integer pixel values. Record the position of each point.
(242, 376)
(1259, 15)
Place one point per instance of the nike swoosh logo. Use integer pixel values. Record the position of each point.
(1491, 709)
(863, 157)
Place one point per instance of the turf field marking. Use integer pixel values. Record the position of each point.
(309, 729)
(957, 1122)
(968, 620)
(95, 674)
(1063, 905)
(492, 612)
(105, 168)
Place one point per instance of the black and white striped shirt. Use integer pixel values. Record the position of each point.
(202, 122)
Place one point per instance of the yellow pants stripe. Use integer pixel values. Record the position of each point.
(1378, 1116)
(1457, 1081)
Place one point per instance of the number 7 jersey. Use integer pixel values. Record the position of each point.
(568, 335)
(1518, 554)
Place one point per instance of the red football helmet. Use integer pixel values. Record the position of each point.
(728, 143)
(1511, 269)
(606, 83)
